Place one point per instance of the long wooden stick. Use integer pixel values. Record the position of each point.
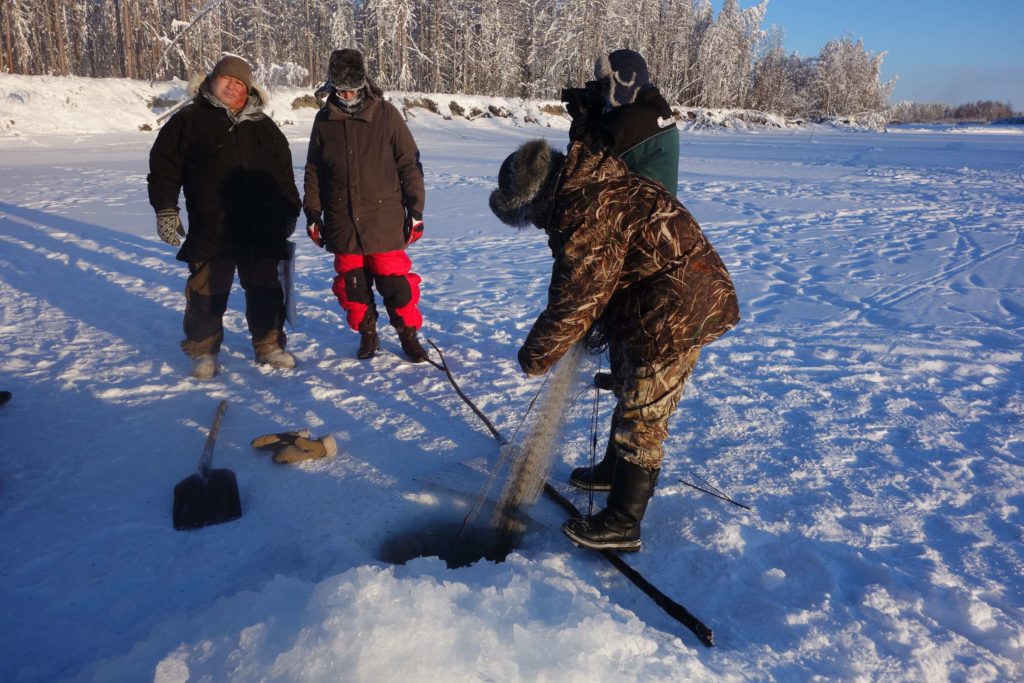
(444, 366)
(206, 459)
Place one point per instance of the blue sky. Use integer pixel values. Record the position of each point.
(951, 51)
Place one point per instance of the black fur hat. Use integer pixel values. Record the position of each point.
(524, 176)
(346, 70)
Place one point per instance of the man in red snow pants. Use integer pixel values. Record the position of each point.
(364, 197)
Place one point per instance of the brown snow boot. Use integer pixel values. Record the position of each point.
(617, 527)
(276, 358)
(369, 342)
(205, 367)
(411, 344)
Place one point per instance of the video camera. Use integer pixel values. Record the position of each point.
(580, 100)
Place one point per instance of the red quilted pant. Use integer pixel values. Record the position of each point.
(391, 274)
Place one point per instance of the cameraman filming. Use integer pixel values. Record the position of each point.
(623, 111)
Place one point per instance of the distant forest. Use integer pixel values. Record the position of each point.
(511, 48)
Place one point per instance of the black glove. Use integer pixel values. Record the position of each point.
(169, 227)
(604, 381)
(528, 365)
(413, 228)
(315, 228)
(289, 227)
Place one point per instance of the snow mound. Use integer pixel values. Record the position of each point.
(413, 622)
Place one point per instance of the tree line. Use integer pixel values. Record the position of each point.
(511, 48)
(937, 112)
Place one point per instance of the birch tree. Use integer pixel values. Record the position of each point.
(847, 79)
(391, 49)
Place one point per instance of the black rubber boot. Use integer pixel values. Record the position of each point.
(617, 527)
(369, 342)
(411, 344)
(598, 477)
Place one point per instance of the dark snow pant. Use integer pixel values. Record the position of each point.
(206, 300)
(391, 273)
(648, 396)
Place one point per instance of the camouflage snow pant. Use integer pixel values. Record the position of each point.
(648, 396)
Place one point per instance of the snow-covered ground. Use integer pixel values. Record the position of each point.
(869, 409)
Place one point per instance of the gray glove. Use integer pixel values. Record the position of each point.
(168, 226)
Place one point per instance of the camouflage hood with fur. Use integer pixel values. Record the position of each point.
(632, 268)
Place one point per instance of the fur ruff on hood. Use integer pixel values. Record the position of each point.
(199, 86)
(525, 181)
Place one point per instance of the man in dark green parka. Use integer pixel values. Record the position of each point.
(632, 120)
(235, 167)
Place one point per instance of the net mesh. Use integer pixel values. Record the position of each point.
(530, 459)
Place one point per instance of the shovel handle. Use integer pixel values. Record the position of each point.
(206, 460)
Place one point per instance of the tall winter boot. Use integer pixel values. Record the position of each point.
(598, 477)
(369, 342)
(617, 527)
(411, 344)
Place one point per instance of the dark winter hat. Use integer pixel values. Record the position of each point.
(346, 70)
(523, 177)
(626, 72)
(234, 67)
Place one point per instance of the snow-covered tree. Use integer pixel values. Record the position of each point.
(528, 48)
(537, 49)
(17, 27)
(390, 41)
(725, 55)
(847, 80)
(781, 82)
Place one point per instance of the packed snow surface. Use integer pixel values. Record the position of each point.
(868, 409)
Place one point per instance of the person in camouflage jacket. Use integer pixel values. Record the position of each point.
(633, 273)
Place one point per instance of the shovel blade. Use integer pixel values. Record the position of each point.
(201, 501)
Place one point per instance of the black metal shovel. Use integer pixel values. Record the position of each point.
(209, 496)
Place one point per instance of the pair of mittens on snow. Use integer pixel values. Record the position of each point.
(291, 447)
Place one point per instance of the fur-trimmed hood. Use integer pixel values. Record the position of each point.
(199, 87)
